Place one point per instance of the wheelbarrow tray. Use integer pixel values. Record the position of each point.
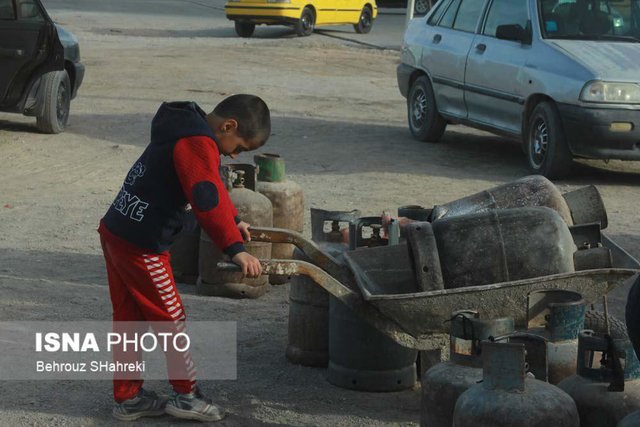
(385, 279)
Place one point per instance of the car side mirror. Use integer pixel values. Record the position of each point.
(513, 32)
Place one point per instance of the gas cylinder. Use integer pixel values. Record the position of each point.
(361, 357)
(287, 200)
(445, 382)
(631, 420)
(606, 387)
(309, 303)
(184, 251)
(509, 397)
(495, 246)
(255, 209)
(581, 206)
(558, 316)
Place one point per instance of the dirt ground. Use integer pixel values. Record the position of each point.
(339, 122)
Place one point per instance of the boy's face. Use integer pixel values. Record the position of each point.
(230, 143)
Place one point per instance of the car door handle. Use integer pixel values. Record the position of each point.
(11, 53)
(437, 38)
(481, 47)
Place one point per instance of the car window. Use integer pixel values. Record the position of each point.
(468, 15)
(450, 14)
(440, 8)
(593, 19)
(505, 12)
(6, 9)
(29, 10)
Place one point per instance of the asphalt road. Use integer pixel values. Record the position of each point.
(386, 32)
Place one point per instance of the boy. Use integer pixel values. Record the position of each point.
(179, 167)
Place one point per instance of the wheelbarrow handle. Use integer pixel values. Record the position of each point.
(287, 267)
(309, 248)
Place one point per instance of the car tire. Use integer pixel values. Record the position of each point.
(425, 122)
(305, 25)
(421, 7)
(365, 22)
(547, 150)
(244, 29)
(56, 100)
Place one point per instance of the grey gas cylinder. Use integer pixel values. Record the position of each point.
(287, 200)
(581, 206)
(308, 303)
(445, 382)
(558, 316)
(508, 397)
(606, 387)
(184, 251)
(495, 246)
(255, 209)
(361, 357)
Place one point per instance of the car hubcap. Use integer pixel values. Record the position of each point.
(365, 20)
(419, 109)
(306, 23)
(61, 105)
(540, 142)
(422, 6)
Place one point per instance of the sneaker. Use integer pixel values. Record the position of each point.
(145, 404)
(194, 406)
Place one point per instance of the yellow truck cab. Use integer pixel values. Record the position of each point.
(303, 15)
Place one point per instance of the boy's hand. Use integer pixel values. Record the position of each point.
(244, 230)
(251, 266)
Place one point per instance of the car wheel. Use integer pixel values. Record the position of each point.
(425, 123)
(366, 21)
(57, 101)
(244, 29)
(547, 150)
(304, 25)
(421, 7)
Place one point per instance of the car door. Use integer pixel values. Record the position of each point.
(495, 86)
(446, 46)
(29, 47)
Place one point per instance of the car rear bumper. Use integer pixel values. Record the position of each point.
(592, 133)
(403, 72)
(262, 13)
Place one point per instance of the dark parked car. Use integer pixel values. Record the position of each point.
(40, 69)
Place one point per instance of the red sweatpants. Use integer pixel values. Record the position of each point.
(142, 288)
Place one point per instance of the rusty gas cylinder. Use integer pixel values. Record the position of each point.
(308, 302)
(495, 246)
(445, 382)
(606, 387)
(287, 200)
(581, 206)
(508, 397)
(184, 251)
(361, 357)
(558, 316)
(255, 209)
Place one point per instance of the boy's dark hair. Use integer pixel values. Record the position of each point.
(251, 113)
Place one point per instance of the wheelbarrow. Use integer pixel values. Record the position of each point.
(378, 284)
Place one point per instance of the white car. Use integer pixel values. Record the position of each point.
(561, 75)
